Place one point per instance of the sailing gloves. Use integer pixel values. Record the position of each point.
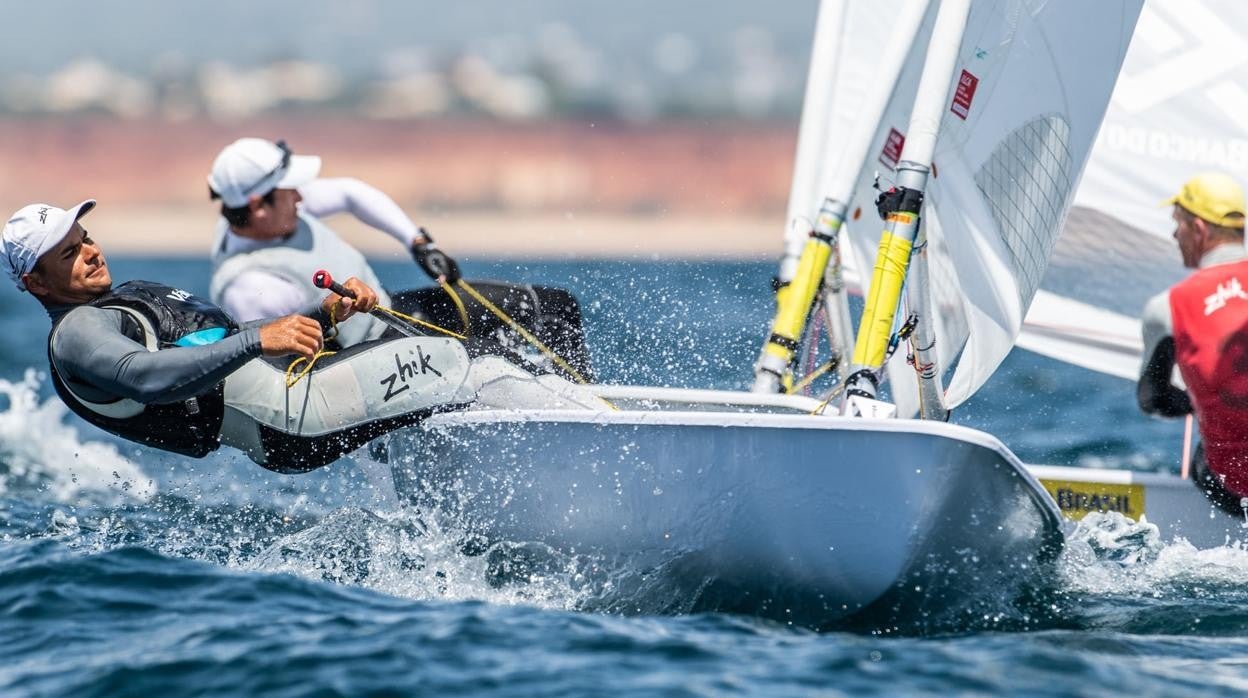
(434, 261)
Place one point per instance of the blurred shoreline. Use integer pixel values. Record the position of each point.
(685, 188)
(186, 231)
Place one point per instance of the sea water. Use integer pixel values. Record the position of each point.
(128, 571)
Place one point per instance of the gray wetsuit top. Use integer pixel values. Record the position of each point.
(93, 354)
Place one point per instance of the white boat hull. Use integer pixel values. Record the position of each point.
(800, 518)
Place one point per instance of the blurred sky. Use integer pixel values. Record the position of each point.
(743, 55)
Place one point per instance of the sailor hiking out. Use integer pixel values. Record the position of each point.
(159, 366)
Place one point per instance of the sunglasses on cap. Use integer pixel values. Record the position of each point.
(281, 165)
(285, 163)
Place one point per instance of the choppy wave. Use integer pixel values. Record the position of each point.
(38, 449)
(1108, 560)
(1112, 554)
(400, 554)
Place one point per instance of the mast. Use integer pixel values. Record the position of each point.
(820, 262)
(901, 205)
(919, 298)
(812, 132)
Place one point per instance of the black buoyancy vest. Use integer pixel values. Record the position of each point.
(176, 318)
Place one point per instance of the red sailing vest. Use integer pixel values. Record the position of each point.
(1210, 313)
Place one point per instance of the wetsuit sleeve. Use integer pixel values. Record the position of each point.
(89, 347)
(257, 295)
(325, 197)
(319, 315)
(1155, 392)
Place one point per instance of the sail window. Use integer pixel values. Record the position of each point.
(1026, 183)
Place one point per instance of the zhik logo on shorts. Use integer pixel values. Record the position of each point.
(396, 382)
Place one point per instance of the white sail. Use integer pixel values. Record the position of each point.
(1101, 273)
(1035, 78)
(1177, 110)
(852, 41)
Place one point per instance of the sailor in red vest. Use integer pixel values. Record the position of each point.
(1200, 327)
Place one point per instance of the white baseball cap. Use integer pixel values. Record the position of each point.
(32, 232)
(254, 167)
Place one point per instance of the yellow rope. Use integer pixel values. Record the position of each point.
(291, 380)
(459, 304)
(831, 396)
(422, 323)
(810, 377)
(522, 332)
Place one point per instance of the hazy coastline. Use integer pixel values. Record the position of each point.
(691, 189)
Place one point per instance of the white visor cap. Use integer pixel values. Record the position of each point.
(254, 167)
(32, 232)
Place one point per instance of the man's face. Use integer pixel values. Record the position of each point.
(277, 219)
(73, 272)
(1191, 234)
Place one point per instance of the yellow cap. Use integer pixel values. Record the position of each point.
(1213, 196)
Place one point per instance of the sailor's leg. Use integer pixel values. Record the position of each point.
(551, 314)
(346, 401)
(499, 384)
(559, 325)
(1213, 486)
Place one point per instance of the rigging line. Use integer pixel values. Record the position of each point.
(421, 323)
(815, 374)
(836, 390)
(810, 338)
(528, 336)
(1185, 470)
(459, 304)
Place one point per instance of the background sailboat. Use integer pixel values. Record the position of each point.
(1175, 112)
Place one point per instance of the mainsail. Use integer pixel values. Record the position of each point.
(1034, 80)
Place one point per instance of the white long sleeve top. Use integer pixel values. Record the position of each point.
(258, 294)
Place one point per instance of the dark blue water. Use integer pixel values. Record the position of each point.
(126, 571)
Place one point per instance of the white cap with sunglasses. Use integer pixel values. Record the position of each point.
(254, 167)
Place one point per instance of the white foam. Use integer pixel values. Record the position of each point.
(398, 554)
(41, 450)
(1111, 554)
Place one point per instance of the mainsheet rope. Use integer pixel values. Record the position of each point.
(292, 378)
(515, 326)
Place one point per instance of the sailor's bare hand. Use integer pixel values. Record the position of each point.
(293, 334)
(344, 307)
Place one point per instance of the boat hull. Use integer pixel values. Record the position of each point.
(1175, 505)
(806, 519)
